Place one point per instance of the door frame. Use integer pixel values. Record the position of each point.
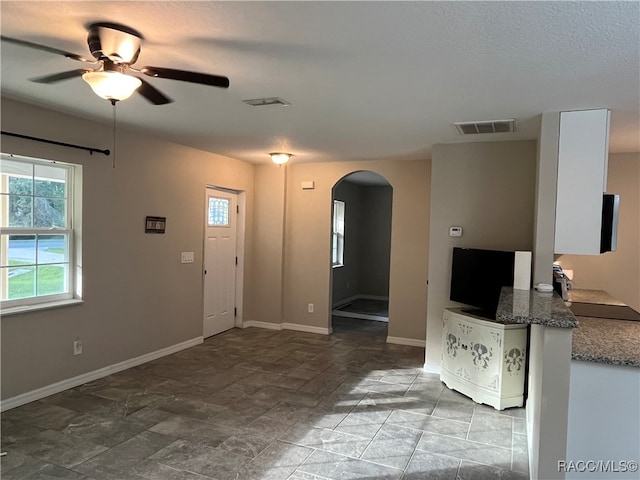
(331, 267)
(240, 236)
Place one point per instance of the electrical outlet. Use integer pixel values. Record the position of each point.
(310, 308)
(77, 347)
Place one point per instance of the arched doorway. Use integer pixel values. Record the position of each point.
(360, 250)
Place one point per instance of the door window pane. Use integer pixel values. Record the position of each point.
(218, 214)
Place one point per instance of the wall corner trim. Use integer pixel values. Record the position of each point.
(428, 368)
(412, 342)
(68, 383)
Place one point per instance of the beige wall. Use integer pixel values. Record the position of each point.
(265, 304)
(488, 190)
(308, 240)
(138, 297)
(618, 273)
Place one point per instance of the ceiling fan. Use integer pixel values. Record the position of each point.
(116, 48)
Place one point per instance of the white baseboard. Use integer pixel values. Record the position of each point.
(287, 326)
(305, 328)
(258, 324)
(431, 368)
(412, 342)
(58, 387)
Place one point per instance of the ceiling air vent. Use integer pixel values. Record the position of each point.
(261, 102)
(487, 126)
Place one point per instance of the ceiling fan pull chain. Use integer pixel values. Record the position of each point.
(113, 102)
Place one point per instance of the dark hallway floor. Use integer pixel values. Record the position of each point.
(364, 308)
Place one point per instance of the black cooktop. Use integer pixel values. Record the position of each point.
(598, 310)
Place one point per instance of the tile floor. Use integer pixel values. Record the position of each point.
(261, 404)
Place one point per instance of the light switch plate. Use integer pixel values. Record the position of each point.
(187, 257)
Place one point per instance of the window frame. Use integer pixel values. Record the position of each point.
(69, 231)
(338, 233)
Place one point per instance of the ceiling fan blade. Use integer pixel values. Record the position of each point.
(185, 76)
(44, 48)
(152, 94)
(57, 77)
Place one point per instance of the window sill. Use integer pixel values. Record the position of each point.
(339, 265)
(41, 306)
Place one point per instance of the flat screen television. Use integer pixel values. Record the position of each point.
(478, 275)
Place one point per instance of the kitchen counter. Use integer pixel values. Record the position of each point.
(607, 340)
(608, 331)
(533, 307)
(604, 340)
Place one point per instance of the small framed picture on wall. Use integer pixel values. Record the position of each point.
(155, 224)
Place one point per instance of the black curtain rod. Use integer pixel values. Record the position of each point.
(53, 142)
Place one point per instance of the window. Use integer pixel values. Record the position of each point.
(37, 257)
(337, 243)
(218, 214)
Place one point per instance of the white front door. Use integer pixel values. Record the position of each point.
(221, 220)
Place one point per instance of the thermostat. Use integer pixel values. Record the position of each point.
(455, 231)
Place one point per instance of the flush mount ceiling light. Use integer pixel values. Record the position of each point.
(114, 86)
(280, 158)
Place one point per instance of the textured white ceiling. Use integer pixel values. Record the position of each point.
(365, 80)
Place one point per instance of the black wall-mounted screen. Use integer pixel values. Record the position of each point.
(477, 276)
(609, 229)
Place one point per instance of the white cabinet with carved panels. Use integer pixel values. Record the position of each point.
(484, 359)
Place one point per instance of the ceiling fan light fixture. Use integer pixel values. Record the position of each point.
(279, 158)
(112, 85)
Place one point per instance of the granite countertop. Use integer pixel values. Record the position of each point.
(601, 340)
(533, 307)
(610, 341)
